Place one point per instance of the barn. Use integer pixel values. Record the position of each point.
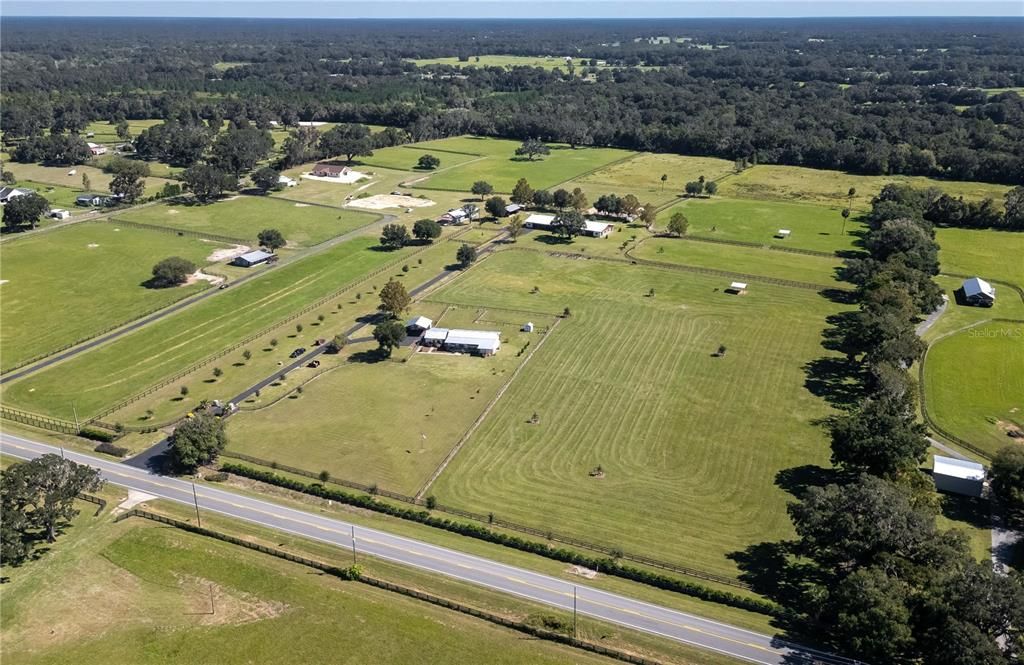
(958, 476)
(418, 325)
(249, 259)
(979, 292)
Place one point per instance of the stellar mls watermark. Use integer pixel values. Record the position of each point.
(1005, 331)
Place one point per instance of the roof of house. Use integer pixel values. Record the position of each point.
(284, 178)
(958, 468)
(456, 213)
(482, 339)
(419, 322)
(738, 285)
(540, 220)
(596, 227)
(332, 168)
(977, 286)
(436, 333)
(513, 207)
(13, 191)
(87, 196)
(255, 256)
(94, 145)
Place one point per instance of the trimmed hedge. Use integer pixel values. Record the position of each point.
(606, 565)
(111, 449)
(97, 434)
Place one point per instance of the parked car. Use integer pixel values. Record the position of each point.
(319, 342)
(223, 286)
(314, 364)
(298, 352)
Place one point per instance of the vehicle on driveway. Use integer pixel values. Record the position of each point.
(319, 342)
(313, 364)
(298, 352)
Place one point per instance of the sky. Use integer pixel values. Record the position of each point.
(512, 8)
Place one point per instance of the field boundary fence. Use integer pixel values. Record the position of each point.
(173, 231)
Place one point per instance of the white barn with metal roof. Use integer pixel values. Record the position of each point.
(979, 292)
(958, 476)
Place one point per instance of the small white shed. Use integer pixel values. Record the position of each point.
(958, 476)
(782, 233)
(528, 326)
(737, 287)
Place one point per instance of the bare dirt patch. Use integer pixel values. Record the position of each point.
(228, 253)
(382, 201)
(200, 275)
(582, 572)
(135, 497)
(214, 605)
(173, 212)
(301, 205)
(1011, 429)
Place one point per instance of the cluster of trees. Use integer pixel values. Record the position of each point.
(197, 440)
(394, 301)
(869, 568)
(936, 207)
(57, 149)
(171, 271)
(24, 211)
(396, 236)
(701, 186)
(37, 498)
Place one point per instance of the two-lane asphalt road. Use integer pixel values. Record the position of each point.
(627, 612)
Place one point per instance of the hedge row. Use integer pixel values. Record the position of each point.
(97, 434)
(608, 566)
(111, 449)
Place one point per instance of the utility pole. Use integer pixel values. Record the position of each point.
(353, 545)
(195, 498)
(78, 427)
(575, 632)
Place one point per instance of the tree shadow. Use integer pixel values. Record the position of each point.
(549, 239)
(839, 296)
(154, 284)
(968, 509)
(368, 357)
(838, 381)
(799, 479)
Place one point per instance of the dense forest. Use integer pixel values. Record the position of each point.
(868, 96)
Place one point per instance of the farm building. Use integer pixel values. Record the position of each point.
(418, 325)
(97, 149)
(59, 213)
(434, 337)
(89, 199)
(958, 476)
(513, 208)
(597, 229)
(252, 258)
(481, 342)
(325, 170)
(737, 287)
(454, 216)
(8, 193)
(286, 181)
(782, 233)
(528, 326)
(979, 292)
(537, 221)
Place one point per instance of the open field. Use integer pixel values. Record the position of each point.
(502, 168)
(105, 375)
(243, 217)
(77, 281)
(641, 176)
(985, 253)
(795, 183)
(690, 444)
(106, 132)
(378, 436)
(545, 62)
(58, 175)
(405, 157)
(58, 196)
(999, 91)
(139, 593)
(813, 227)
(974, 382)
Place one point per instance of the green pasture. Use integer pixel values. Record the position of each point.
(641, 176)
(958, 317)
(796, 183)
(399, 417)
(690, 444)
(106, 132)
(103, 376)
(986, 253)
(73, 283)
(746, 260)
(405, 157)
(974, 383)
(243, 217)
(141, 593)
(58, 196)
(813, 227)
(61, 176)
(999, 91)
(502, 168)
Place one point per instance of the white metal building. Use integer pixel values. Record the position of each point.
(958, 476)
(979, 292)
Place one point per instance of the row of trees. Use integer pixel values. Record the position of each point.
(869, 568)
(941, 209)
(396, 236)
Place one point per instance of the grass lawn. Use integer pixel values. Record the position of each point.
(395, 439)
(746, 260)
(108, 374)
(974, 382)
(106, 132)
(58, 175)
(690, 444)
(502, 168)
(140, 593)
(58, 196)
(986, 253)
(73, 283)
(641, 176)
(243, 217)
(813, 227)
(796, 183)
(405, 157)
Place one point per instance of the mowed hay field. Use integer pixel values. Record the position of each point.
(641, 176)
(104, 376)
(974, 383)
(814, 227)
(75, 282)
(502, 168)
(389, 422)
(140, 593)
(405, 158)
(986, 253)
(690, 444)
(795, 183)
(243, 217)
(59, 175)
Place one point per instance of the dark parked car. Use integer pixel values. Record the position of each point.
(314, 364)
(298, 352)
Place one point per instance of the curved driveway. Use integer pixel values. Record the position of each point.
(646, 617)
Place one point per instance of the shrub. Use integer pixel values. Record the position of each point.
(96, 434)
(111, 449)
(218, 477)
